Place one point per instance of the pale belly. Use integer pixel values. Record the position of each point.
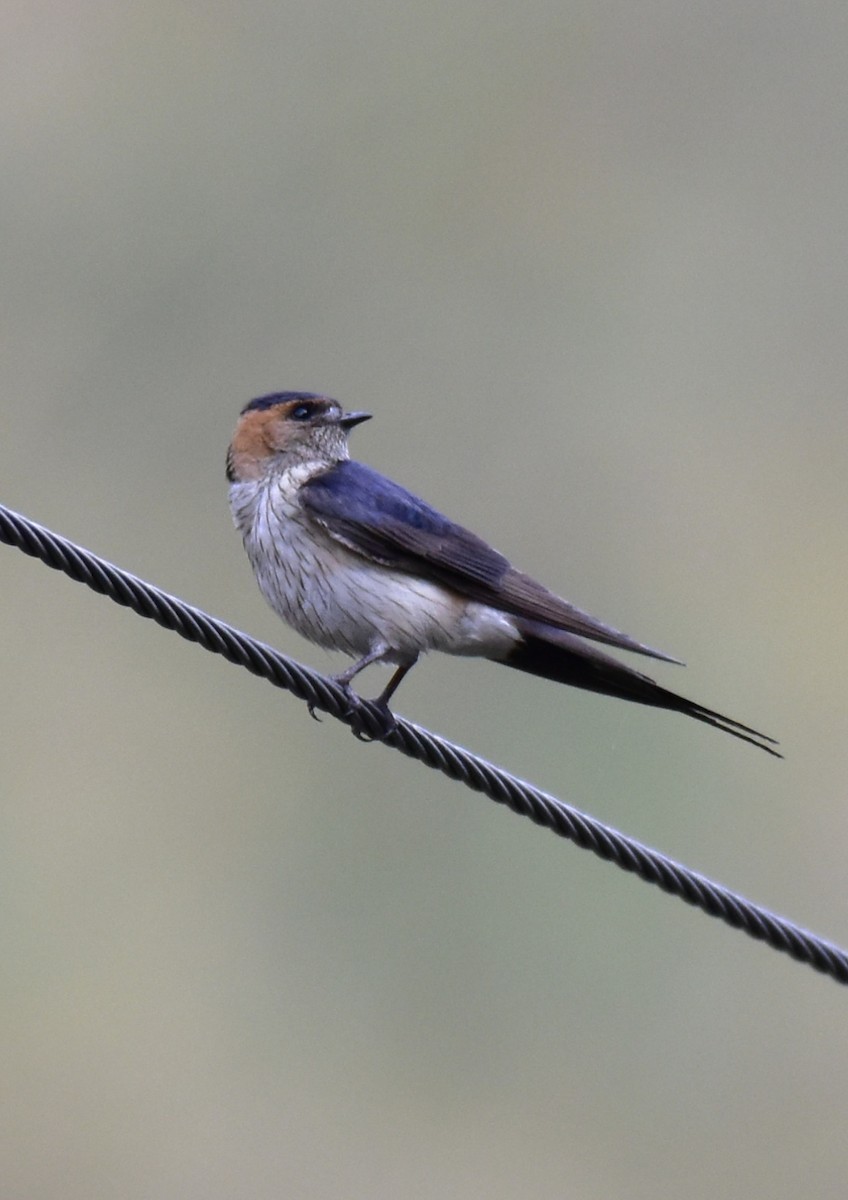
(340, 601)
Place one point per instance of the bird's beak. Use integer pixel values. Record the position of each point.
(348, 420)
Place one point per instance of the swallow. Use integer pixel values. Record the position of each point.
(356, 563)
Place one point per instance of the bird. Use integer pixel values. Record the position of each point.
(356, 563)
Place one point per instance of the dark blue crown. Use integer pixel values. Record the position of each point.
(275, 398)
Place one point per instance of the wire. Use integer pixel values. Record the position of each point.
(418, 743)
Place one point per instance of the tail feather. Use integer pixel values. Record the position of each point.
(565, 658)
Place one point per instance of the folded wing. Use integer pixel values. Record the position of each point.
(383, 522)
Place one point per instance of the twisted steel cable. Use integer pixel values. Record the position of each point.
(412, 740)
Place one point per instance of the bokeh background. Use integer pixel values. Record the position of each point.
(588, 265)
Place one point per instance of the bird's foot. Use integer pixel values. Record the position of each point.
(361, 725)
(343, 682)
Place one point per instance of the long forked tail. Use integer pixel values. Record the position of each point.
(565, 658)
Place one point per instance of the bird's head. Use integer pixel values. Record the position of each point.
(289, 429)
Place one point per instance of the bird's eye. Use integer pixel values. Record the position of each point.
(302, 412)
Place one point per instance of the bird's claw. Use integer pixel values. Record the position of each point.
(354, 715)
(387, 724)
(350, 696)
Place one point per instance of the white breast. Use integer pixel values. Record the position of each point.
(341, 601)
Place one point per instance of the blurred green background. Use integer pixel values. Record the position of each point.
(588, 265)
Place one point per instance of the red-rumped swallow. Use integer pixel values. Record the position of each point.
(354, 562)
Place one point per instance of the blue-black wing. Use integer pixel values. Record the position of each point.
(386, 524)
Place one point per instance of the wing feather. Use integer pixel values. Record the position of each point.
(383, 522)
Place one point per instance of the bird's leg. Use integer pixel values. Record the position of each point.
(382, 703)
(344, 678)
(394, 683)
